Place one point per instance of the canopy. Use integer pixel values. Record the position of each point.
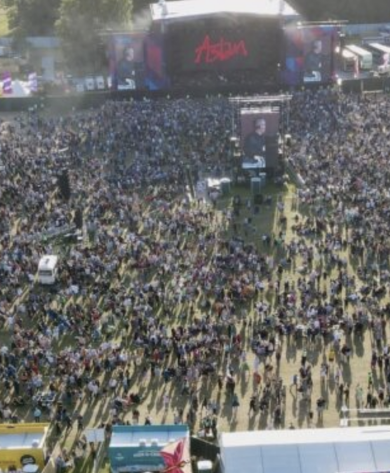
(192, 8)
(307, 451)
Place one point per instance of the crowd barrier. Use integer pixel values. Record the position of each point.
(371, 84)
(86, 100)
(67, 103)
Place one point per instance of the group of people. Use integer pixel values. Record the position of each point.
(165, 307)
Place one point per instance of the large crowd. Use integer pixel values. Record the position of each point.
(164, 293)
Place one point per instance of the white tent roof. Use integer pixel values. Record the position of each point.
(21, 440)
(348, 450)
(189, 8)
(131, 436)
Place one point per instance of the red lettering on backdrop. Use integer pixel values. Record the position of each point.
(221, 51)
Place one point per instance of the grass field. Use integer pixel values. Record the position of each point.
(265, 220)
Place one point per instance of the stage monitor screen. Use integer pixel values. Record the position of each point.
(126, 56)
(155, 70)
(259, 138)
(309, 54)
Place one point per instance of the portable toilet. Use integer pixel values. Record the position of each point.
(30, 468)
(225, 186)
(263, 177)
(204, 466)
(255, 185)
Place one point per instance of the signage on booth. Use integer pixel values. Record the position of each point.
(27, 460)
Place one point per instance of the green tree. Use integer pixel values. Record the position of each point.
(81, 26)
(31, 17)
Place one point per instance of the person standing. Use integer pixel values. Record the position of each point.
(252, 405)
(346, 395)
(166, 402)
(148, 419)
(235, 405)
(80, 423)
(320, 408)
(37, 414)
(359, 395)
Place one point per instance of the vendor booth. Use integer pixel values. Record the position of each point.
(364, 449)
(149, 448)
(23, 446)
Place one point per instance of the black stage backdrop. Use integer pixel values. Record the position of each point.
(223, 44)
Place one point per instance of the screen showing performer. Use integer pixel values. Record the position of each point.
(127, 62)
(259, 137)
(314, 61)
(309, 54)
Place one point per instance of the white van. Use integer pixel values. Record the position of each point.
(47, 269)
(384, 69)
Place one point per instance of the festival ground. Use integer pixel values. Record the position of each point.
(276, 219)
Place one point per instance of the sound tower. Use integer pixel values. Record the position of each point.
(63, 184)
(78, 219)
(258, 199)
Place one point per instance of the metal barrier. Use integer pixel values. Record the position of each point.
(100, 455)
(364, 415)
(67, 103)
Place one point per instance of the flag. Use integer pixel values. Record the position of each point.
(176, 457)
(33, 82)
(7, 83)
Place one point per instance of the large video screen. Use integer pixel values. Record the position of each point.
(259, 138)
(126, 56)
(155, 71)
(309, 54)
(224, 44)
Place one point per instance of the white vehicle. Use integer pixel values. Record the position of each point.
(384, 69)
(47, 269)
(381, 53)
(348, 60)
(364, 56)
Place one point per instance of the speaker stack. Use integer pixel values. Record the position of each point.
(64, 185)
(78, 219)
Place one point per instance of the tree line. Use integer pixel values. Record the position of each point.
(80, 23)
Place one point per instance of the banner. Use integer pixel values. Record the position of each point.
(33, 82)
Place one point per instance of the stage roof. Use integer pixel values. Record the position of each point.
(183, 9)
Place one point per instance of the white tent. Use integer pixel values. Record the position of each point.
(167, 10)
(341, 450)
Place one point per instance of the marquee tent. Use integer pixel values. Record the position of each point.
(172, 10)
(338, 450)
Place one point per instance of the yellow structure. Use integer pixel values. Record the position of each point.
(22, 444)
